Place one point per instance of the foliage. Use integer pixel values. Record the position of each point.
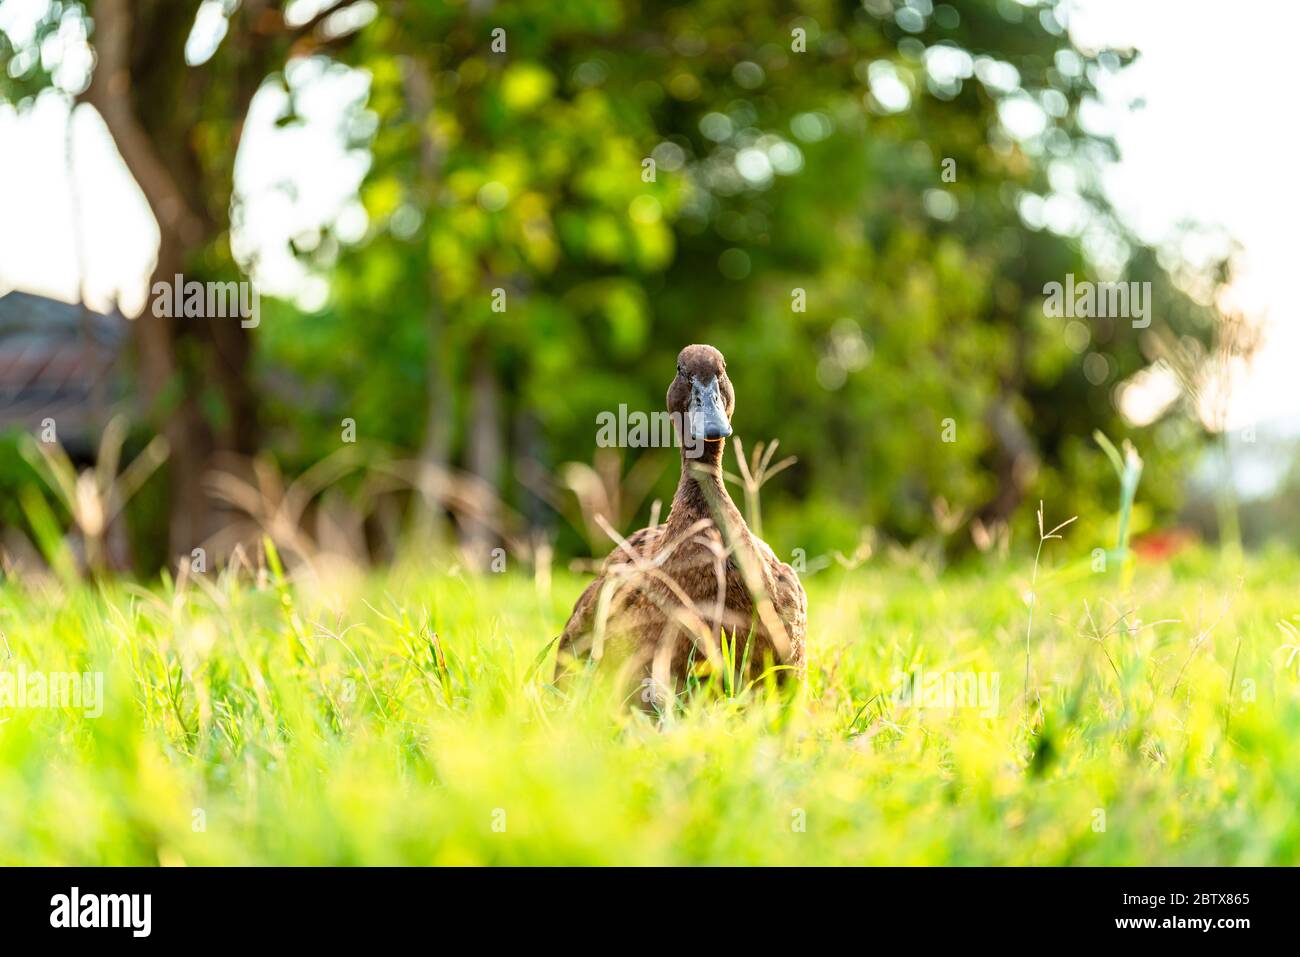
(911, 175)
(775, 171)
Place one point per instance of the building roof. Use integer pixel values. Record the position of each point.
(56, 361)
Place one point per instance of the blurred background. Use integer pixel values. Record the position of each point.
(860, 204)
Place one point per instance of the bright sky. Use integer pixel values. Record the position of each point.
(1212, 144)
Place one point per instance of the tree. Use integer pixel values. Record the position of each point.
(892, 165)
(860, 204)
(177, 126)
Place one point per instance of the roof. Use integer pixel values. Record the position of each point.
(56, 361)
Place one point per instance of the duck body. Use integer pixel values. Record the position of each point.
(668, 598)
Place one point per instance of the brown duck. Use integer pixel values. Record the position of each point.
(668, 597)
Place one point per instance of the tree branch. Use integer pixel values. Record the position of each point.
(109, 93)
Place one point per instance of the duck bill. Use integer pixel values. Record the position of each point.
(713, 426)
(709, 421)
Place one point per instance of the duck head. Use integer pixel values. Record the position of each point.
(701, 401)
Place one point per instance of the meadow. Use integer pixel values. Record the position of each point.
(407, 717)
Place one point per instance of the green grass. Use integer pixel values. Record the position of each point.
(319, 724)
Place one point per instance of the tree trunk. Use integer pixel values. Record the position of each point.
(150, 100)
(486, 451)
(435, 450)
(164, 116)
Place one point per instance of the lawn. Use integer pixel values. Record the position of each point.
(404, 717)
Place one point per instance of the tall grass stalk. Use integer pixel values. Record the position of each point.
(1128, 469)
(1043, 538)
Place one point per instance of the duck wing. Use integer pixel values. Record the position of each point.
(792, 606)
(574, 642)
(789, 600)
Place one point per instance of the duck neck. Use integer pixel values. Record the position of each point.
(701, 491)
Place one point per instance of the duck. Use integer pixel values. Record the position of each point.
(700, 589)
